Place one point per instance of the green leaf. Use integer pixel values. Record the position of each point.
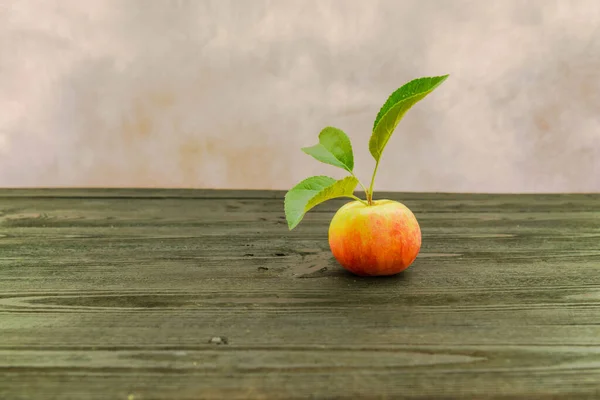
(395, 107)
(313, 191)
(334, 148)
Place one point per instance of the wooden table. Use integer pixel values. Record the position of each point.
(190, 294)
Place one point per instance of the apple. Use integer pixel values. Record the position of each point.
(367, 237)
(373, 240)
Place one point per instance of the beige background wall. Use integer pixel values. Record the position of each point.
(224, 93)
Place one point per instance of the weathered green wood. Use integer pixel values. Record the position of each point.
(117, 293)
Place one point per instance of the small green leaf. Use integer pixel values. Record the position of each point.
(395, 107)
(334, 148)
(313, 191)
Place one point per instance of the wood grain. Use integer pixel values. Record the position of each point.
(118, 293)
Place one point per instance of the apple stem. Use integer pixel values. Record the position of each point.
(359, 199)
(361, 185)
(370, 192)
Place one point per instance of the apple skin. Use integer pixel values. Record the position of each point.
(381, 239)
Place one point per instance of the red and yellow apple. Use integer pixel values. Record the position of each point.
(383, 238)
(367, 238)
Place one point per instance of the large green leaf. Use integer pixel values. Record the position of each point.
(334, 148)
(313, 191)
(395, 107)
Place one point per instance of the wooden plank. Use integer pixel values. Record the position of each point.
(133, 193)
(117, 294)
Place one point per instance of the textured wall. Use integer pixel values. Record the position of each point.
(224, 93)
